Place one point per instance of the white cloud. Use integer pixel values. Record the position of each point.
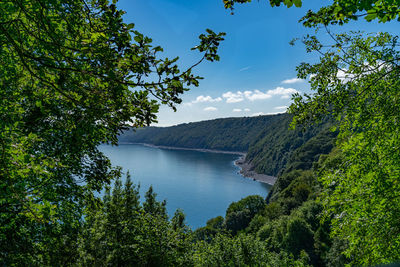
(293, 80)
(208, 98)
(237, 110)
(281, 107)
(258, 95)
(258, 114)
(283, 92)
(233, 97)
(239, 96)
(247, 109)
(210, 109)
(344, 76)
(204, 99)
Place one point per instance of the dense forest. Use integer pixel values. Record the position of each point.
(72, 78)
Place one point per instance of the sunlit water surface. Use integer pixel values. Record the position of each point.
(202, 184)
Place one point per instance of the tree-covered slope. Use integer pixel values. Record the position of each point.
(279, 147)
(269, 142)
(229, 134)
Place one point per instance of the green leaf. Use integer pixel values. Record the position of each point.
(297, 3)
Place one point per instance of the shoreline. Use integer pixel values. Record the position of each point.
(185, 148)
(245, 168)
(245, 171)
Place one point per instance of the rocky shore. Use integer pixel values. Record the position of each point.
(248, 173)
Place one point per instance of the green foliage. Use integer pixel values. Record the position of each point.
(256, 223)
(342, 11)
(213, 227)
(216, 222)
(335, 255)
(236, 221)
(361, 188)
(73, 76)
(239, 214)
(298, 236)
(254, 204)
(122, 232)
(306, 155)
(152, 206)
(278, 149)
(356, 81)
(205, 233)
(286, 184)
(243, 250)
(272, 211)
(300, 233)
(339, 11)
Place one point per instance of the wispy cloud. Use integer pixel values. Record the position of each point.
(237, 110)
(258, 114)
(293, 80)
(245, 68)
(247, 109)
(210, 109)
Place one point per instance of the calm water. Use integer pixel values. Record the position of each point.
(202, 184)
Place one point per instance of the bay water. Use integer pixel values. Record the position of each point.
(202, 184)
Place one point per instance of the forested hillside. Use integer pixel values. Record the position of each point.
(229, 134)
(269, 141)
(280, 147)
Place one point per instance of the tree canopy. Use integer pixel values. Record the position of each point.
(339, 11)
(356, 81)
(73, 76)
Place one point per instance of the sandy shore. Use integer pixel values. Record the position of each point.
(248, 173)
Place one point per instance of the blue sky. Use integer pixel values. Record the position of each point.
(256, 73)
